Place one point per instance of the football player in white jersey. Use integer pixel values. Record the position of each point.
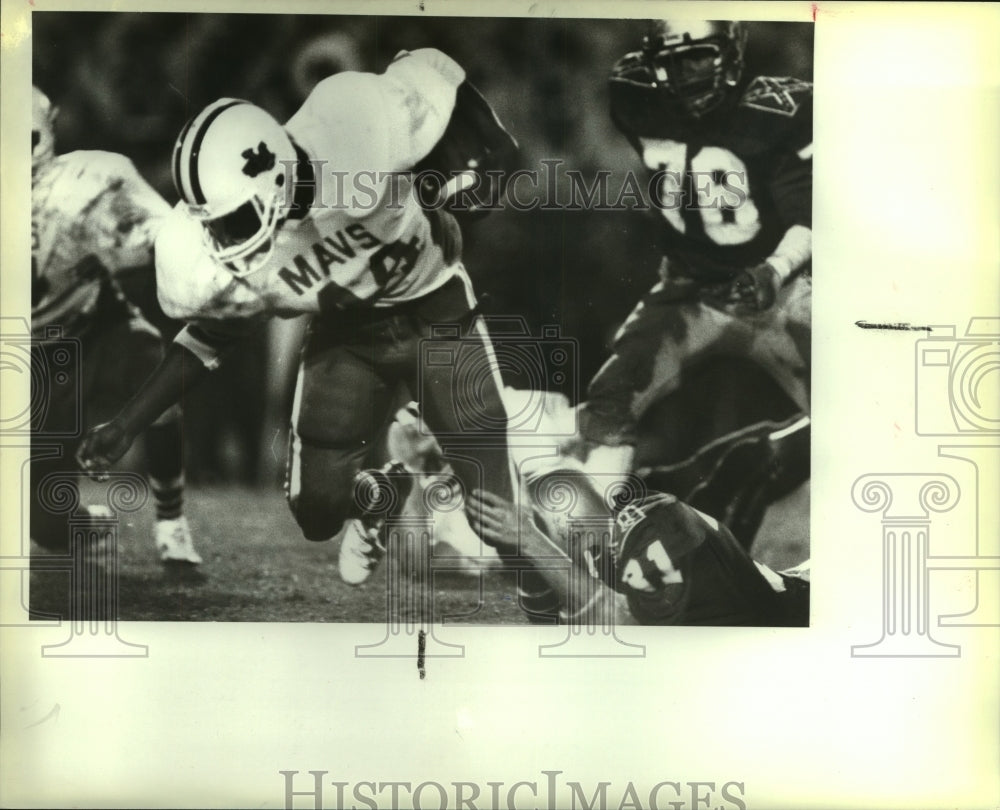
(320, 216)
(92, 216)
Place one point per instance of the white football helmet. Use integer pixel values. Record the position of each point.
(43, 115)
(231, 165)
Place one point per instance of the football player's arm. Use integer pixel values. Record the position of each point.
(197, 349)
(446, 125)
(419, 92)
(125, 223)
(793, 193)
(757, 287)
(583, 598)
(791, 190)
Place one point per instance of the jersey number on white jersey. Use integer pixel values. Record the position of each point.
(388, 265)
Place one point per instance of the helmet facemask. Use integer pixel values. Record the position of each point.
(691, 67)
(244, 238)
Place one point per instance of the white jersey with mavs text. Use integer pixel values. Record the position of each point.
(365, 241)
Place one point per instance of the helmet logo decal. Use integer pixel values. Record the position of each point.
(628, 517)
(777, 95)
(256, 162)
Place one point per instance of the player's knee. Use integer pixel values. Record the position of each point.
(315, 524)
(319, 517)
(322, 505)
(319, 487)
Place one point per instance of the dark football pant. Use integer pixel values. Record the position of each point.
(671, 329)
(735, 478)
(358, 368)
(117, 351)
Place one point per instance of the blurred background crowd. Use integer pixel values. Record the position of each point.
(127, 82)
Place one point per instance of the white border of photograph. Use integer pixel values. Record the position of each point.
(907, 231)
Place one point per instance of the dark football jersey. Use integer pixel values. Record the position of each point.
(718, 583)
(727, 187)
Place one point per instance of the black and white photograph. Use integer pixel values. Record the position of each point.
(390, 391)
(386, 303)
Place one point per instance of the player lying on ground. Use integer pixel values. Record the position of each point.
(737, 476)
(733, 479)
(674, 564)
(318, 216)
(732, 155)
(92, 217)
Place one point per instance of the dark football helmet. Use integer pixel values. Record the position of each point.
(685, 68)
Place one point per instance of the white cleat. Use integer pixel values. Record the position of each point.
(173, 541)
(411, 443)
(360, 552)
(414, 446)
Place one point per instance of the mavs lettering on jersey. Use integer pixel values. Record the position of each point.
(329, 251)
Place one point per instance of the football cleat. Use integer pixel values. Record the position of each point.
(376, 496)
(436, 493)
(541, 606)
(90, 531)
(174, 543)
(411, 442)
(361, 550)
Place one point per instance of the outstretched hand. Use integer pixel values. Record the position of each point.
(508, 528)
(102, 447)
(753, 290)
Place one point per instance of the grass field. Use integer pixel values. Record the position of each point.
(258, 568)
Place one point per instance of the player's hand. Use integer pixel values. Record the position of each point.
(102, 447)
(501, 524)
(754, 289)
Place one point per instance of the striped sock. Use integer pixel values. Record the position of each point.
(169, 497)
(165, 459)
